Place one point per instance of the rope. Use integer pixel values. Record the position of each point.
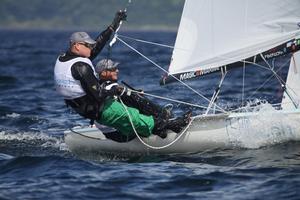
(169, 99)
(155, 64)
(281, 81)
(130, 89)
(216, 93)
(147, 42)
(274, 74)
(142, 141)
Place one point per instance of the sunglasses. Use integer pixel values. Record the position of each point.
(90, 46)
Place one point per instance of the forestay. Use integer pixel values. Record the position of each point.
(216, 33)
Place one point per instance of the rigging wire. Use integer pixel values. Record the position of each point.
(199, 94)
(265, 82)
(169, 99)
(274, 74)
(281, 82)
(145, 41)
(217, 91)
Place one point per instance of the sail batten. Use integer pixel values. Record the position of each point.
(216, 33)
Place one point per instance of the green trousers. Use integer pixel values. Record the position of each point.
(115, 115)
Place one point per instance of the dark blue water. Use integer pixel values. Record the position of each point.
(35, 163)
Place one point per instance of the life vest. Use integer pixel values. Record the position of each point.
(65, 84)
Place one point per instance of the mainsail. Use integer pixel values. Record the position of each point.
(218, 33)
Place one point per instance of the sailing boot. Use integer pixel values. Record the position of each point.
(160, 128)
(162, 125)
(179, 123)
(166, 111)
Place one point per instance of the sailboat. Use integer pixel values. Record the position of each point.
(217, 37)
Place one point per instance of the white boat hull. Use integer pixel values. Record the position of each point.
(205, 133)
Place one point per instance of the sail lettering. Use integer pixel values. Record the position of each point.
(187, 75)
(275, 54)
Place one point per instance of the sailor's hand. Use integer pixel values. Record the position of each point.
(140, 91)
(120, 90)
(121, 15)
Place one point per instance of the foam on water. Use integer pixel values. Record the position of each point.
(13, 115)
(41, 139)
(5, 156)
(266, 128)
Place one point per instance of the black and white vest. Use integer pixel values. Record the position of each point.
(65, 84)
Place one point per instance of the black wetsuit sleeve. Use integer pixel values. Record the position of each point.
(101, 41)
(84, 73)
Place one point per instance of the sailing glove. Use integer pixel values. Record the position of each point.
(117, 91)
(121, 15)
(121, 90)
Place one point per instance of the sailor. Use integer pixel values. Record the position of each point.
(74, 74)
(133, 97)
(146, 117)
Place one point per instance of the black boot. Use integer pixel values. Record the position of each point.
(166, 111)
(160, 127)
(179, 123)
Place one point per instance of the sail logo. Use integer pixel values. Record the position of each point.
(187, 76)
(275, 54)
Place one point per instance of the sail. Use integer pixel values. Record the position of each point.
(214, 33)
(291, 97)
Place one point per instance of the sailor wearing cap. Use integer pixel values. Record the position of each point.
(113, 112)
(75, 78)
(145, 116)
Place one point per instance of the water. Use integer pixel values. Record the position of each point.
(35, 163)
